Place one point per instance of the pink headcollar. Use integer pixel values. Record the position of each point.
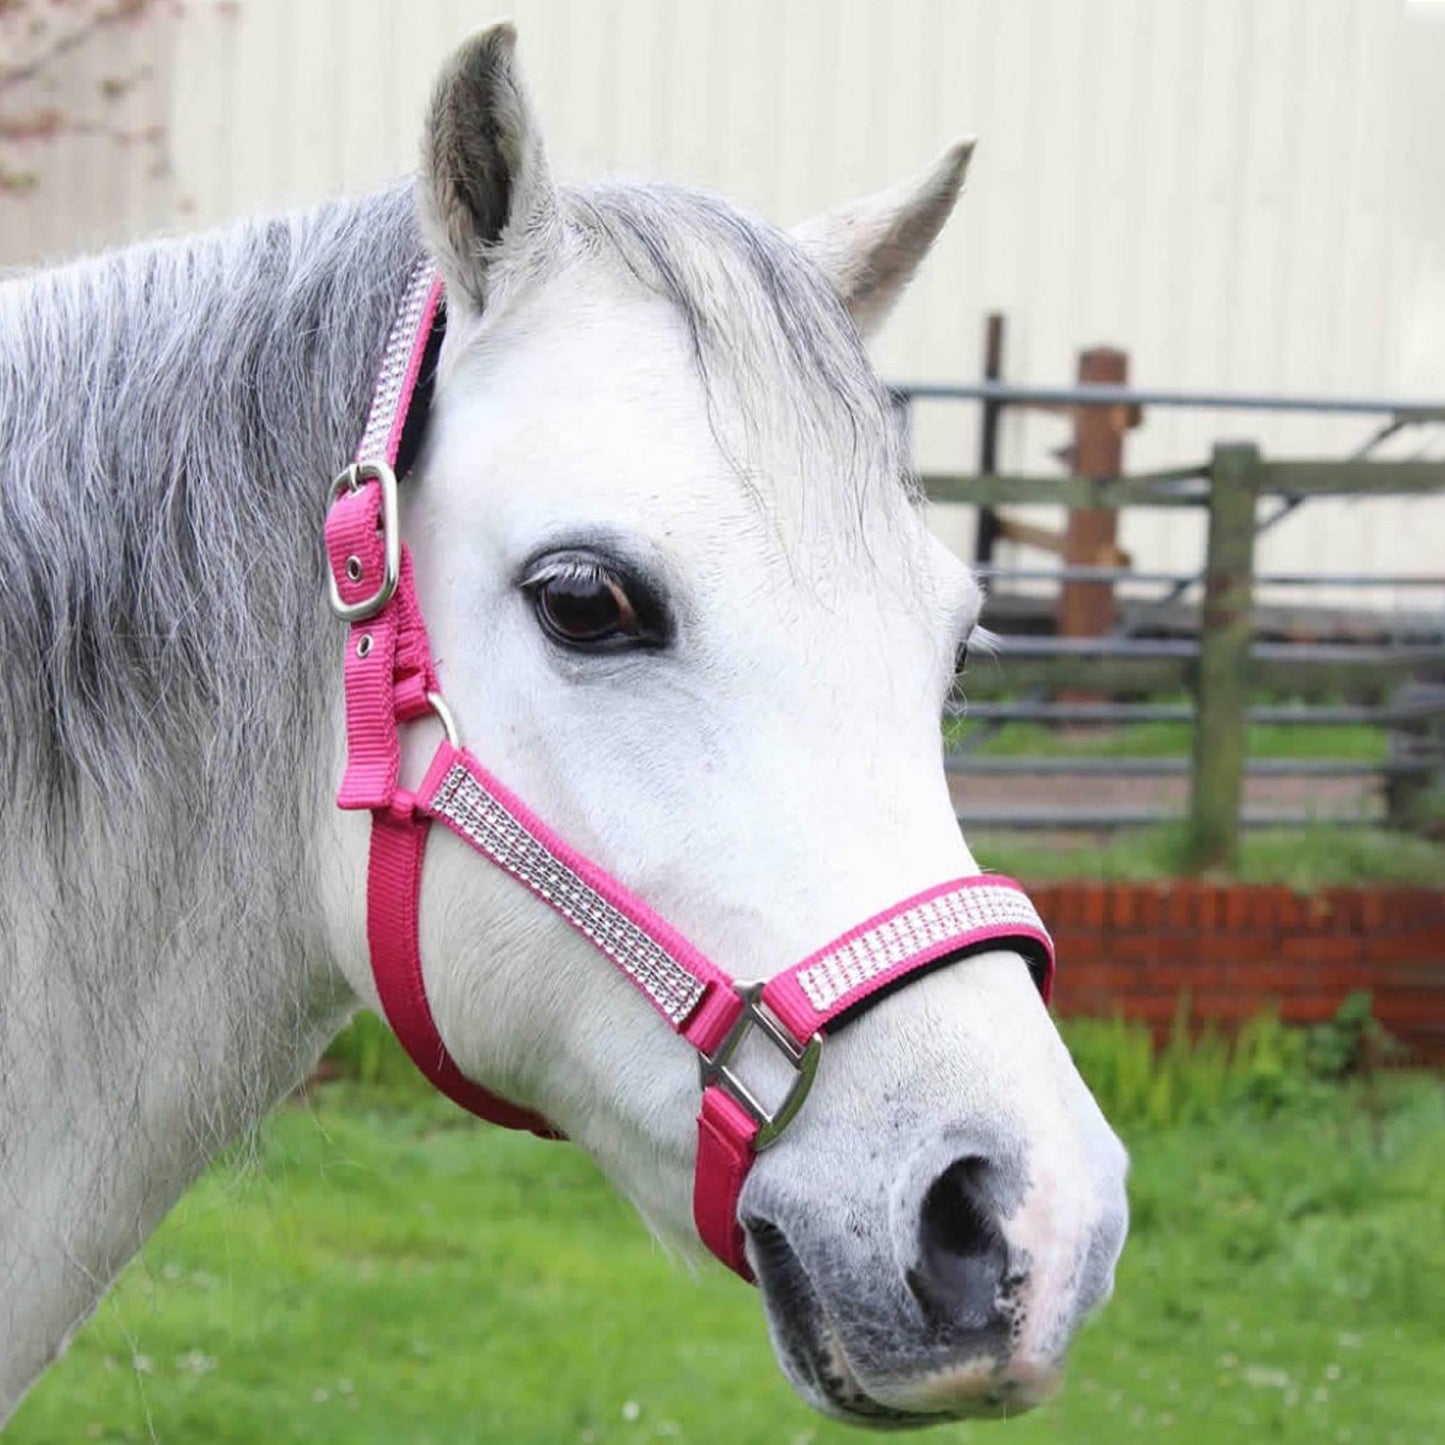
(391, 679)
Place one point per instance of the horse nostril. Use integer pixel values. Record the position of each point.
(962, 1253)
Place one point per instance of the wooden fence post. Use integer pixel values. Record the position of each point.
(989, 418)
(1086, 609)
(1221, 698)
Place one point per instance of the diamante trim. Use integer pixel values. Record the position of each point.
(906, 935)
(473, 811)
(396, 360)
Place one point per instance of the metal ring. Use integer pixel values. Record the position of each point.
(354, 568)
(445, 718)
(363, 645)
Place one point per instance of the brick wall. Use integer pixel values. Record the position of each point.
(1238, 950)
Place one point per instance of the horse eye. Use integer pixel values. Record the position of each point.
(582, 606)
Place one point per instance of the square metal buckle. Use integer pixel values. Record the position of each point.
(352, 480)
(804, 1062)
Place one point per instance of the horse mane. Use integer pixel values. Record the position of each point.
(170, 415)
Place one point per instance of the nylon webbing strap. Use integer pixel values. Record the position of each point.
(390, 679)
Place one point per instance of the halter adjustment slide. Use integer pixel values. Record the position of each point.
(803, 1059)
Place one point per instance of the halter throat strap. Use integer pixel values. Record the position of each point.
(390, 680)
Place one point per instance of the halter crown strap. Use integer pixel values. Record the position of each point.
(390, 679)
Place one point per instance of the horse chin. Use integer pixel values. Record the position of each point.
(812, 1355)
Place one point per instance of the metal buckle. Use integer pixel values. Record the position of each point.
(804, 1060)
(352, 480)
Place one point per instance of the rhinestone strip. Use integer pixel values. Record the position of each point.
(905, 936)
(464, 803)
(395, 361)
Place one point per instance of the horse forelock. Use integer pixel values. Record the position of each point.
(773, 344)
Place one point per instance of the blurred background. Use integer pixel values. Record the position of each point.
(1212, 743)
(1242, 195)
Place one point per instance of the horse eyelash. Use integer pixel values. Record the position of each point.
(574, 569)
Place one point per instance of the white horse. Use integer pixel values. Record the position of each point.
(686, 604)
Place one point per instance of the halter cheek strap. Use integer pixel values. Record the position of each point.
(390, 679)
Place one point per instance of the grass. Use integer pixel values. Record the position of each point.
(1303, 858)
(1300, 858)
(1167, 740)
(376, 1267)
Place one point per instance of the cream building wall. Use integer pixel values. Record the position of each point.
(1243, 194)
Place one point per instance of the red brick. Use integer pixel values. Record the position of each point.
(1160, 1008)
(1123, 908)
(1421, 907)
(1208, 910)
(1249, 947)
(1311, 1008)
(1076, 945)
(1190, 977)
(1095, 907)
(1042, 897)
(1098, 977)
(1218, 947)
(1139, 949)
(1408, 973)
(1235, 1008)
(1236, 910)
(1263, 906)
(1423, 1004)
(1411, 908)
(1070, 905)
(1342, 978)
(1311, 948)
(1289, 911)
(1374, 910)
(1179, 947)
(1425, 944)
(1269, 979)
(1346, 909)
(1182, 906)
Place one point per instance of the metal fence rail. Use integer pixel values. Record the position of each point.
(1262, 579)
(1107, 819)
(1006, 393)
(1166, 767)
(1232, 679)
(1113, 714)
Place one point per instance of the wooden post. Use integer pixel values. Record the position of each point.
(1221, 697)
(1086, 609)
(988, 521)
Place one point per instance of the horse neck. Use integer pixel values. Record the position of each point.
(167, 712)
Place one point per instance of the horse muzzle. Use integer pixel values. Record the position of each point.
(958, 1300)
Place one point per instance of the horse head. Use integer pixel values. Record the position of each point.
(687, 605)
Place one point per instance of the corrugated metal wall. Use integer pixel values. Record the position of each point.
(1243, 194)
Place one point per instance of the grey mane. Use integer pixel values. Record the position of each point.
(169, 418)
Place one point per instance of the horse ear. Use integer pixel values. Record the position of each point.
(484, 193)
(871, 249)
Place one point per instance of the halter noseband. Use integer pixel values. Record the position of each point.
(390, 679)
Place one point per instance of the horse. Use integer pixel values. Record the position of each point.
(685, 602)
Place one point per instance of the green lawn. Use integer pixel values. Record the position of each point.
(376, 1267)
(1301, 858)
(1356, 743)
